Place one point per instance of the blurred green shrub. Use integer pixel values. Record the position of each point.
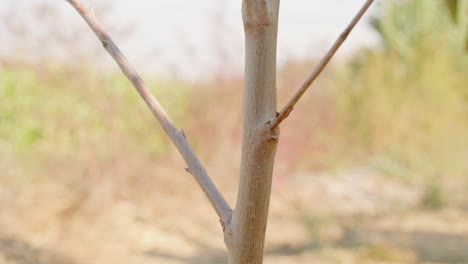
(18, 93)
(407, 103)
(59, 114)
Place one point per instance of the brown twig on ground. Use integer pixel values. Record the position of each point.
(195, 167)
(319, 68)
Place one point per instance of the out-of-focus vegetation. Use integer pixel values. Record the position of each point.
(404, 107)
(54, 112)
(401, 108)
(73, 114)
(81, 155)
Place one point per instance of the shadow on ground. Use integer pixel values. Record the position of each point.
(428, 246)
(21, 252)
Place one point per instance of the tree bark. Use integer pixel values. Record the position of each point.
(244, 227)
(177, 136)
(245, 234)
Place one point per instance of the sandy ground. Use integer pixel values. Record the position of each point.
(352, 217)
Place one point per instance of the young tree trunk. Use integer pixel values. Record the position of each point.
(245, 235)
(244, 227)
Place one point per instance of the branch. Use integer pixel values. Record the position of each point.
(319, 68)
(178, 137)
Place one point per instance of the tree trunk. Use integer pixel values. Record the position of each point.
(244, 227)
(245, 234)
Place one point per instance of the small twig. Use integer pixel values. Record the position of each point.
(178, 137)
(319, 68)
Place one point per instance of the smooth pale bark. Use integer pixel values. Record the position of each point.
(245, 234)
(284, 113)
(244, 227)
(177, 136)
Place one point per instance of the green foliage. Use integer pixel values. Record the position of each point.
(459, 13)
(433, 197)
(408, 103)
(18, 93)
(414, 28)
(62, 114)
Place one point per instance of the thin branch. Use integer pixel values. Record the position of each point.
(319, 68)
(178, 137)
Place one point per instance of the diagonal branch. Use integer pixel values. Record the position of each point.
(319, 68)
(178, 137)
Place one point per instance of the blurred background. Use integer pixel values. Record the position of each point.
(372, 165)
